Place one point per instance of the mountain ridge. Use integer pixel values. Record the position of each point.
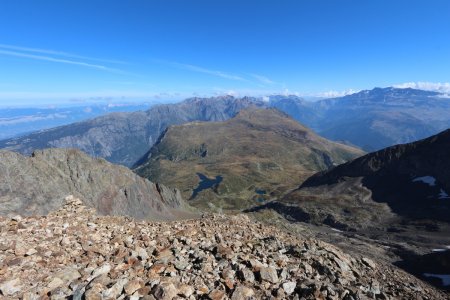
(123, 138)
(370, 119)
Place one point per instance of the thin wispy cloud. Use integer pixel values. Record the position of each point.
(57, 53)
(203, 70)
(59, 60)
(262, 79)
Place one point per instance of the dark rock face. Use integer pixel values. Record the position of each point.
(412, 179)
(123, 138)
(392, 189)
(39, 184)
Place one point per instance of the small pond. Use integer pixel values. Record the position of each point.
(205, 183)
(260, 191)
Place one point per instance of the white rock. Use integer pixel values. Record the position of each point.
(289, 287)
(100, 271)
(11, 287)
(31, 252)
(55, 283)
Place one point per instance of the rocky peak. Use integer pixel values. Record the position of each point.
(75, 253)
(38, 185)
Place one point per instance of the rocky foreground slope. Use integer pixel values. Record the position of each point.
(38, 184)
(74, 253)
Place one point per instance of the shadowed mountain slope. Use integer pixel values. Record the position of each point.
(412, 179)
(378, 190)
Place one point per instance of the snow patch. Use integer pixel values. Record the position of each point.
(443, 195)
(337, 230)
(430, 180)
(439, 250)
(444, 277)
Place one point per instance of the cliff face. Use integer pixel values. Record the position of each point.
(76, 254)
(38, 185)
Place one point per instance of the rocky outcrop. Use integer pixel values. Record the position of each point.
(38, 185)
(75, 253)
(123, 138)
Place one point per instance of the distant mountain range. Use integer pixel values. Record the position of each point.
(38, 184)
(20, 121)
(370, 120)
(124, 138)
(257, 155)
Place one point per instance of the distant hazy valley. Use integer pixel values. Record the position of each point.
(19, 121)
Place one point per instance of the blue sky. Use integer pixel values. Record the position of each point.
(64, 51)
